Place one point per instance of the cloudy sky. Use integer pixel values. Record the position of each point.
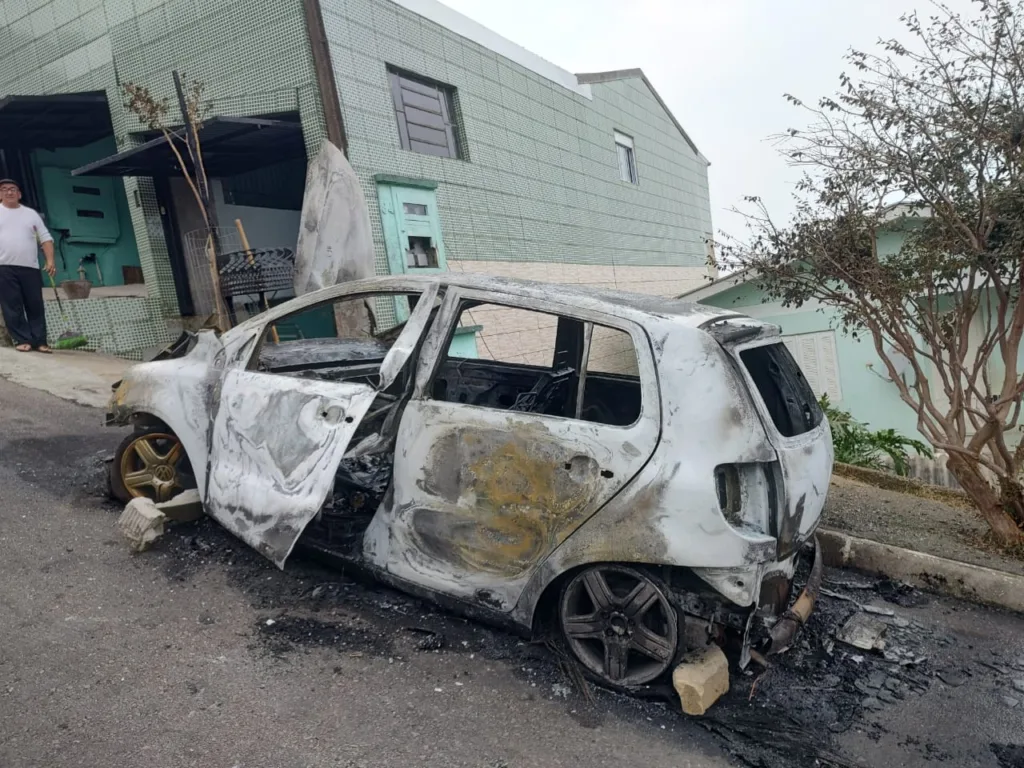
(722, 66)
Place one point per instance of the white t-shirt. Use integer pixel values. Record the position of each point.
(21, 232)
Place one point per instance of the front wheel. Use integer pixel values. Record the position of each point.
(150, 463)
(620, 625)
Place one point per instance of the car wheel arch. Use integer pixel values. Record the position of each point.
(146, 417)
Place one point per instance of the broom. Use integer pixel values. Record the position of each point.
(69, 339)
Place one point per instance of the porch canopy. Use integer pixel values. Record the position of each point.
(55, 120)
(230, 146)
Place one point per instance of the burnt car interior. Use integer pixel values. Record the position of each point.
(787, 395)
(549, 383)
(551, 387)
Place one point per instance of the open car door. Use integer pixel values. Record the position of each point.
(277, 442)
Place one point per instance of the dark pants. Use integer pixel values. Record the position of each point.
(21, 298)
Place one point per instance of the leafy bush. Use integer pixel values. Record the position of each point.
(855, 444)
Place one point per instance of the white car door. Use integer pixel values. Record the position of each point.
(277, 441)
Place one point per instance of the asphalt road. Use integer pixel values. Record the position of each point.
(197, 653)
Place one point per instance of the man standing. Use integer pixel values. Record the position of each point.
(22, 233)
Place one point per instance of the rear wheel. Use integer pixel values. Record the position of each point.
(619, 623)
(150, 463)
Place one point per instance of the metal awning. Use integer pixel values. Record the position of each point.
(56, 120)
(230, 145)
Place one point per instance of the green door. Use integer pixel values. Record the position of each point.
(412, 233)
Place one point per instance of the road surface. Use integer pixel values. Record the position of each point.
(198, 653)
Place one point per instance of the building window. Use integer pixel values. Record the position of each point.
(815, 353)
(426, 115)
(627, 160)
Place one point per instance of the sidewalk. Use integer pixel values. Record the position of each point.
(81, 377)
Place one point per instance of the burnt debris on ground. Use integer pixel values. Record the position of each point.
(787, 715)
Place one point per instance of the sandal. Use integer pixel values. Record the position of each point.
(23, 348)
(44, 349)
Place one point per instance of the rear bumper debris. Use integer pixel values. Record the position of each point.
(785, 630)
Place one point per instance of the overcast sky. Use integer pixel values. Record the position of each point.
(722, 66)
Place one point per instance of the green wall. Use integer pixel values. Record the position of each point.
(111, 257)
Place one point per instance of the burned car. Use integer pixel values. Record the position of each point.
(635, 472)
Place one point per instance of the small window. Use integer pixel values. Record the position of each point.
(786, 394)
(425, 112)
(530, 362)
(421, 253)
(415, 209)
(627, 160)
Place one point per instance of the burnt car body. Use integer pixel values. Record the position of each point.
(621, 506)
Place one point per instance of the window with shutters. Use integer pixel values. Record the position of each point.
(626, 157)
(815, 353)
(426, 115)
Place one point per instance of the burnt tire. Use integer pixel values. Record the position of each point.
(620, 625)
(150, 463)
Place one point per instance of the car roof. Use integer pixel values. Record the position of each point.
(581, 296)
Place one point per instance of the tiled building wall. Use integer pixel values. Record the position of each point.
(253, 57)
(542, 184)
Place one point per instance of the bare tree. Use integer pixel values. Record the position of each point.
(153, 112)
(924, 138)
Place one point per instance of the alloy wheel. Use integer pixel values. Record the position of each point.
(619, 624)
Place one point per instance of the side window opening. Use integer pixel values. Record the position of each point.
(784, 389)
(611, 391)
(532, 362)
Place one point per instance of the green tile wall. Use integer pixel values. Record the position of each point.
(542, 181)
(253, 56)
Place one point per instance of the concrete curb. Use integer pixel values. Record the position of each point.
(950, 577)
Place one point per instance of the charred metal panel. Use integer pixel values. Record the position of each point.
(482, 496)
(275, 446)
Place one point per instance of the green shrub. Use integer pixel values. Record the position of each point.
(855, 444)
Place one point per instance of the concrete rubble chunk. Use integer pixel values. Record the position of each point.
(701, 678)
(141, 523)
(186, 507)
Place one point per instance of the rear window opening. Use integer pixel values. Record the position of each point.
(783, 388)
